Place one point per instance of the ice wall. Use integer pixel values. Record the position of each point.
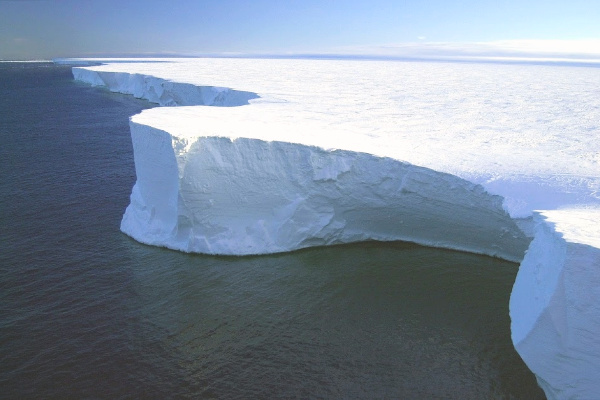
(218, 195)
(208, 184)
(554, 305)
(161, 91)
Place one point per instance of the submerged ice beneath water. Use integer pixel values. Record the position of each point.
(321, 155)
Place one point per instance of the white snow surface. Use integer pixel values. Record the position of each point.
(331, 151)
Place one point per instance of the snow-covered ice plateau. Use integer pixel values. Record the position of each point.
(474, 157)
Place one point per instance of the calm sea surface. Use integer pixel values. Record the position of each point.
(86, 312)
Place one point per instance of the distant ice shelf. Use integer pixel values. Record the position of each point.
(309, 152)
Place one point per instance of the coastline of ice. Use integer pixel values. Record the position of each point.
(554, 303)
(212, 192)
(330, 155)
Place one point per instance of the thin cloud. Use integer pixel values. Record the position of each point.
(568, 49)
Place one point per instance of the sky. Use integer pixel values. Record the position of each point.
(46, 29)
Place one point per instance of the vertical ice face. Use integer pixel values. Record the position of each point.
(219, 195)
(154, 196)
(161, 91)
(554, 304)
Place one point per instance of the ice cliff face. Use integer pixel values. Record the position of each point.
(161, 91)
(272, 177)
(207, 185)
(554, 304)
(219, 195)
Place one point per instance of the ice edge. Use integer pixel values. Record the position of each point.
(440, 210)
(140, 221)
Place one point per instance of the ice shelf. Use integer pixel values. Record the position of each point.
(324, 152)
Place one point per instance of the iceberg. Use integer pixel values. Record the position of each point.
(493, 159)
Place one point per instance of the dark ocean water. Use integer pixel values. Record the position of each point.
(86, 312)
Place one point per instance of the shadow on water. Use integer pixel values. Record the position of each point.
(87, 312)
